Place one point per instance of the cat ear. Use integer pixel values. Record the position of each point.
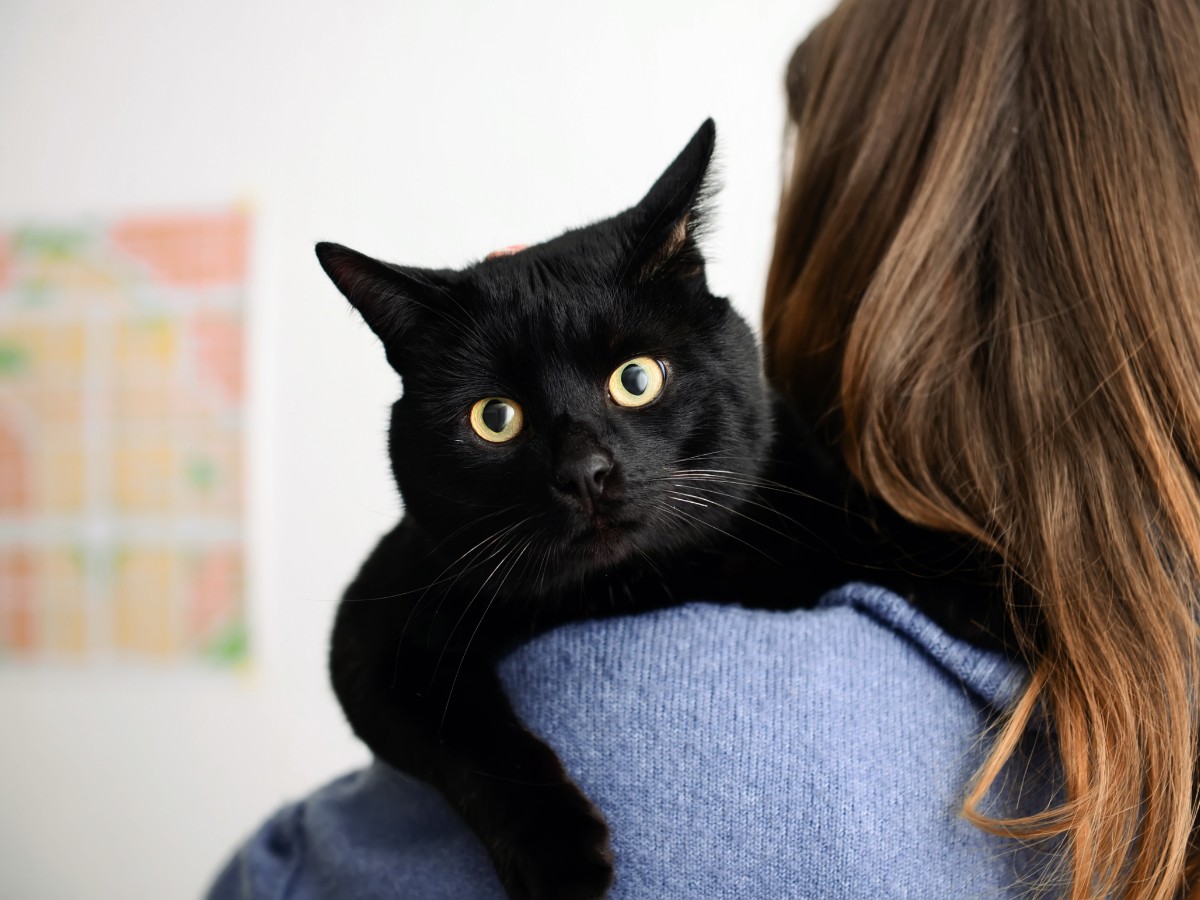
(387, 296)
(667, 223)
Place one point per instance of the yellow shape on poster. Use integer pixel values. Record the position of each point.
(63, 470)
(142, 600)
(146, 343)
(144, 471)
(64, 592)
(62, 350)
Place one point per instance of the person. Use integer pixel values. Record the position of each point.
(985, 285)
(983, 295)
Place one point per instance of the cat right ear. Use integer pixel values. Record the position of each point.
(668, 220)
(387, 296)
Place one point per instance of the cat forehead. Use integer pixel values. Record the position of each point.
(538, 271)
(547, 298)
(561, 321)
(544, 328)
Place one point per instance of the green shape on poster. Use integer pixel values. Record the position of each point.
(14, 357)
(55, 243)
(230, 646)
(34, 293)
(202, 473)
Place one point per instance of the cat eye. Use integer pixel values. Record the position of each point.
(637, 382)
(497, 419)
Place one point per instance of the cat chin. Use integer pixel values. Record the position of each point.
(601, 548)
(596, 551)
(607, 552)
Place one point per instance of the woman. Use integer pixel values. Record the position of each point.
(983, 293)
(988, 262)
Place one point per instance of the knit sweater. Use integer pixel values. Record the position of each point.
(821, 753)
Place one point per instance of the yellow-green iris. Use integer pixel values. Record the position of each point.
(636, 382)
(497, 419)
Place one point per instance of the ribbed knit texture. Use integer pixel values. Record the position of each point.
(735, 753)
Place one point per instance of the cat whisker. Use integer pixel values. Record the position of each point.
(733, 511)
(651, 563)
(470, 523)
(728, 534)
(709, 455)
(542, 569)
(477, 561)
(683, 499)
(478, 551)
(439, 579)
(462, 659)
(754, 481)
(738, 498)
(466, 608)
(673, 516)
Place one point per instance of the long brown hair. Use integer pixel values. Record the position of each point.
(986, 288)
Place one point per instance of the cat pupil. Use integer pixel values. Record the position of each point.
(635, 379)
(496, 415)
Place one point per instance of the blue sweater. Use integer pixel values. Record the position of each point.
(736, 754)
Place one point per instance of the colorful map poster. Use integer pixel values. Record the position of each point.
(121, 425)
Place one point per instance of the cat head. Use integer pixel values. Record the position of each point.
(581, 404)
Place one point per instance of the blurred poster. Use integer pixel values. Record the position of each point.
(121, 424)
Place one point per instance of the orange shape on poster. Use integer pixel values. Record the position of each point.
(218, 341)
(187, 250)
(18, 629)
(14, 471)
(214, 588)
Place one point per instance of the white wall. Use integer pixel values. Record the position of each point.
(426, 133)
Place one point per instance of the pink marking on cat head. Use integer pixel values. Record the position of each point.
(506, 251)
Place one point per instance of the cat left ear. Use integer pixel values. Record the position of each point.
(387, 296)
(668, 221)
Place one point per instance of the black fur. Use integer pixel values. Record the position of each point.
(593, 509)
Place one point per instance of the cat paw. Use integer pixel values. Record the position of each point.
(562, 852)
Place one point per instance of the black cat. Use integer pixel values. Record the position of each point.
(584, 430)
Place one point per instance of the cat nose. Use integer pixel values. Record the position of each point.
(583, 477)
